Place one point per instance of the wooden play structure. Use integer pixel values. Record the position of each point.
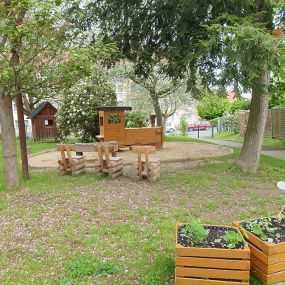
(107, 162)
(146, 166)
(112, 127)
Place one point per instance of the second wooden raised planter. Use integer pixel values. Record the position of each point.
(211, 266)
(267, 258)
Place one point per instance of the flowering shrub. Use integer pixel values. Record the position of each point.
(78, 115)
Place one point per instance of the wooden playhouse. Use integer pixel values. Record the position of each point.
(43, 122)
(112, 128)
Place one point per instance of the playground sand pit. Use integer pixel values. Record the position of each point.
(171, 152)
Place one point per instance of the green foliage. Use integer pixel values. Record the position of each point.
(258, 227)
(195, 232)
(213, 106)
(277, 100)
(77, 114)
(225, 44)
(183, 126)
(136, 119)
(277, 88)
(240, 104)
(88, 265)
(49, 63)
(232, 238)
(65, 281)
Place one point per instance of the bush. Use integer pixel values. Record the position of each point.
(136, 119)
(213, 106)
(78, 114)
(230, 123)
(183, 126)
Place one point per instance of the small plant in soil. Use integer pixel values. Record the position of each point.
(267, 229)
(232, 238)
(195, 233)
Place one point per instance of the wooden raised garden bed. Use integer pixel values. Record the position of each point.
(211, 263)
(266, 237)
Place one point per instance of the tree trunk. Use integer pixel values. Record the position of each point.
(9, 142)
(22, 135)
(252, 146)
(164, 122)
(15, 60)
(157, 110)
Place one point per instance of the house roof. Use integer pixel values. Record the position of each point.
(38, 109)
(114, 108)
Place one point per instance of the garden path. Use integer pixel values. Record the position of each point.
(279, 154)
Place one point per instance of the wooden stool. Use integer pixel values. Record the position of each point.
(146, 167)
(106, 163)
(69, 164)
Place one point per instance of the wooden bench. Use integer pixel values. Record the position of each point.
(146, 166)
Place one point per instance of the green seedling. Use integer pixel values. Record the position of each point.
(232, 238)
(195, 232)
(259, 228)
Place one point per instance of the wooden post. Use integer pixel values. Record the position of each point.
(139, 162)
(106, 152)
(146, 163)
(63, 158)
(69, 156)
(100, 157)
(22, 136)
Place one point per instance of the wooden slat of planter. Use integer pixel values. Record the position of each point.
(258, 254)
(267, 269)
(212, 273)
(192, 281)
(267, 259)
(212, 263)
(213, 252)
(268, 278)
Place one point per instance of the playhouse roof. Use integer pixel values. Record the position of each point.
(114, 108)
(38, 109)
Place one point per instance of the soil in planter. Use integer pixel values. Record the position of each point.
(214, 234)
(277, 236)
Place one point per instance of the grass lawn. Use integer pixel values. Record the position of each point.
(181, 139)
(267, 142)
(63, 230)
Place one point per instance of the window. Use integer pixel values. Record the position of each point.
(114, 119)
(48, 123)
(101, 121)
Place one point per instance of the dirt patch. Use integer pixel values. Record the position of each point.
(171, 152)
